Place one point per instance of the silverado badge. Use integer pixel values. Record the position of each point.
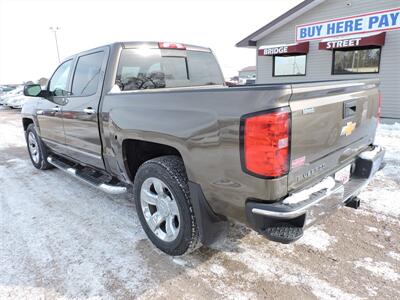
(348, 128)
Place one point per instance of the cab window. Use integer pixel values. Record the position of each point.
(149, 69)
(58, 85)
(87, 74)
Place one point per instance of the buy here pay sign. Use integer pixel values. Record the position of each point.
(369, 22)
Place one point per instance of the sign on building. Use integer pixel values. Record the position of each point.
(370, 22)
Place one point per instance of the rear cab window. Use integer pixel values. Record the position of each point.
(152, 68)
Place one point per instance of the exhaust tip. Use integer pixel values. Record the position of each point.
(354, 203)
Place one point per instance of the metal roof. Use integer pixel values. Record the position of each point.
(251, 40)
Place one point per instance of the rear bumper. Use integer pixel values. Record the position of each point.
(320, 202)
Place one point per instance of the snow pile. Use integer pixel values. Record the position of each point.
(316, 238)
(9, 137)
(388, 136)
(383, 197)
(379, 269)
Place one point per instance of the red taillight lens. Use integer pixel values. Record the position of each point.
(266, 144)
(378, 115)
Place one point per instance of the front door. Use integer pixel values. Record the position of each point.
(49, 113)
(80, 112)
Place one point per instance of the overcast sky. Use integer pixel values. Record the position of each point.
(27, 46)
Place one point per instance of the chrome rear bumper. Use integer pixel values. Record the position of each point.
(319, 203)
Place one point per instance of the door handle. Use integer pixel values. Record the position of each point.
(89, 111)
(56, 108)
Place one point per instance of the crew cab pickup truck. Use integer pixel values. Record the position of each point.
(156, 120)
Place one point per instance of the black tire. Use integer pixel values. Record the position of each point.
(41, 162)
(171, 171)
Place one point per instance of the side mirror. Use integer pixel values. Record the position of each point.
(33, 90)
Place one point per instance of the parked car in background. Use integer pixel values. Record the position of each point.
(5, 97)
(17, 101)
(247, 81)
(5, 89)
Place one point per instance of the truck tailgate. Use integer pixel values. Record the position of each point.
(331, 123)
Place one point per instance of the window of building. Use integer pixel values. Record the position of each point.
(289, 65)
(87, 74)
(356, 61)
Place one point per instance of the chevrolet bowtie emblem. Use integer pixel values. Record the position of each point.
(348, 128)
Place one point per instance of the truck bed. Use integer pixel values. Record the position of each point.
(203, 124)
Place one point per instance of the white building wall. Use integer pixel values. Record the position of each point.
(319, 62)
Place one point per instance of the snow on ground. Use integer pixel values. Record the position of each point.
(381, 269)
(272, 268)
(371, 229)
(386, 200)
(17, 139)
(61, 239)
(316, 238)
(83, 241)
(394, 255)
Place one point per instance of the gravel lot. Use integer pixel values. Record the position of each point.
(63, 239)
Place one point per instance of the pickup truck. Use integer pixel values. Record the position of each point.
(156, 120)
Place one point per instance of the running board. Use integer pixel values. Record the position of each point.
(105, 187)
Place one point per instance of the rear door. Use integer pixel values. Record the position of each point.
(331, 123)
(49, 111)
(80, 113)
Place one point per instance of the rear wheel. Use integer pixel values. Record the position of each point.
(37, 150)
(163, 205)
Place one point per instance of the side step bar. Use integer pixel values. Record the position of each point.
(105, 187)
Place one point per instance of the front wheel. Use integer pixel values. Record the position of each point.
(37, 150)
(164, 207)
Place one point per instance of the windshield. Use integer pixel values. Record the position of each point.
(150, 69)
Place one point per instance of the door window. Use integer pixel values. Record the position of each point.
(59, 81)
(87, 74)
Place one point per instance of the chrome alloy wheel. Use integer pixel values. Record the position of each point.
(33, 147)
(160, 209)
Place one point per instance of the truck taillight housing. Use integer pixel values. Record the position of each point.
(265, 143)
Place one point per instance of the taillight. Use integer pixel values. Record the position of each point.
(164, 45)
(265, 148)
(378, 115)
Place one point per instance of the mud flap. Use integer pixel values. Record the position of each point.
(209, 223)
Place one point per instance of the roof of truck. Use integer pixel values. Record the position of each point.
(152, 44)
(142, 44)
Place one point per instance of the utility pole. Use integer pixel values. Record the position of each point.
(55, 29)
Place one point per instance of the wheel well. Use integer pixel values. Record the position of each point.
(137, 152)
(26, 122)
